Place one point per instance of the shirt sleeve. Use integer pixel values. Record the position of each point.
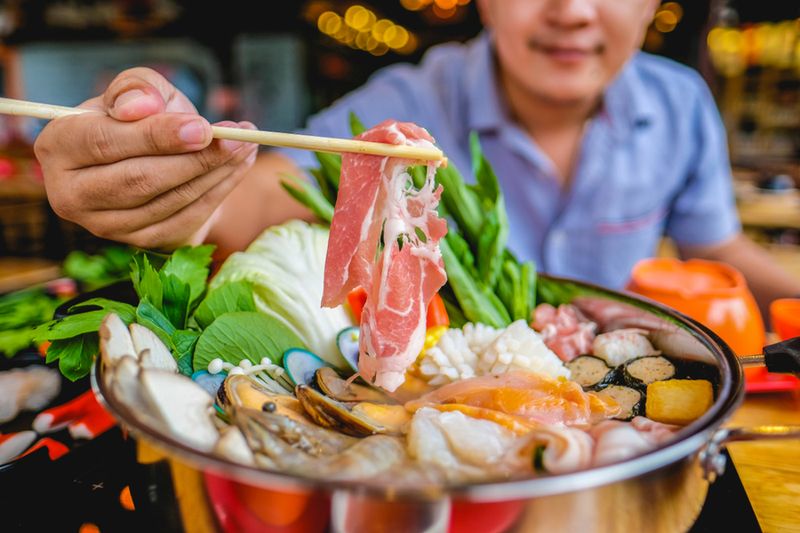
(390, 93)
(704, 211)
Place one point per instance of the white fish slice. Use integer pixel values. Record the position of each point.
(182, 404)
(152, 353)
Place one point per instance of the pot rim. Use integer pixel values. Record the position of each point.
(689, 440)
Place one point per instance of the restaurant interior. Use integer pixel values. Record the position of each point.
(276, 64)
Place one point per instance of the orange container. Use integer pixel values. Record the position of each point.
(785, 317)
(712, 293)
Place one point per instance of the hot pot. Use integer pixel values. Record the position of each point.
(659, 491)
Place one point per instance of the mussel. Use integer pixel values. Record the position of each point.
(332, 385)
(330, 413)
(241, 391)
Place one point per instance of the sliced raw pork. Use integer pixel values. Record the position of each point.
(384, 237)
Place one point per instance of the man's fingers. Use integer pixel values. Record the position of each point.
(140, 92)
(176, 229)
(160, 207)
(97, 140)
(135, 181)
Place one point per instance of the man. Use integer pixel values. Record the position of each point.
(600, 149)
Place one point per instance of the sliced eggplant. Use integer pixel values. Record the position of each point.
(347, 341)
(589, 371)
(629, 400)
(301, 365)
(648, 369)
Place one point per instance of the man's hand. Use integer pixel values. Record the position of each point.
(144, 169)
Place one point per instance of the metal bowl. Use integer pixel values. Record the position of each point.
(660, 490)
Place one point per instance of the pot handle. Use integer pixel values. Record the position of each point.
(782, 357)
(712, 458)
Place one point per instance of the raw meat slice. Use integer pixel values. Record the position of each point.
(384, 237)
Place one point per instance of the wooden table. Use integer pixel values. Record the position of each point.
(770, 471)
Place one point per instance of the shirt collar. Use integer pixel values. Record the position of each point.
(626, 105)
(625, 102)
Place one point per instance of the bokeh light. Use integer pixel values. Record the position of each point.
(360, 28)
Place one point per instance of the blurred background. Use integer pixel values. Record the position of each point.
(274, 63)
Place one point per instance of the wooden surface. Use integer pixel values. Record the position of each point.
(17, 274)
(770, 471)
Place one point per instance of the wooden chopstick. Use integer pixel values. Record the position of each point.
(10, 106)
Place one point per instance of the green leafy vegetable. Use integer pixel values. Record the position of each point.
(191, 265)
(74, 338)
(311, 197)
(72, 354)
(285, 267)
(244, 335)
(20, 313)
(226, 298)
(94, 271)
(356, 126)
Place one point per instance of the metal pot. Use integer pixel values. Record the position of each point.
(661, 490)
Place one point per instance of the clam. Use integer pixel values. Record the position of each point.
(332, 385)
(330, 413)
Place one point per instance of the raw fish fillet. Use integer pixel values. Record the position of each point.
(384, 237)
(534, 397)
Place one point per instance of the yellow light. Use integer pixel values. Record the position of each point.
(674, 8)
(379, 29)
(361, 20)
(380, 50)
(731, 42)
(443, 13)
(410, 46)
(361, 40)
(414, 5)
(352, 13)
(325, 20)
(714, 39)
(397, 38)
(446, 4)
(371, 44)
(665, 21)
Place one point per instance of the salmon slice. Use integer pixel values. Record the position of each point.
(384, 238)
(530, 396)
